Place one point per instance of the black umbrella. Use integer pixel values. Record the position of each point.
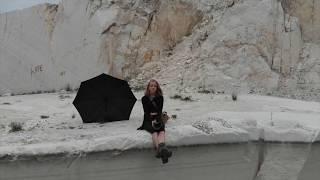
(103, 99)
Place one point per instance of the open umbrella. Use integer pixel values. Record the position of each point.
(104, 99)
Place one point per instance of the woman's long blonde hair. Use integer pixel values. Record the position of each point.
(158, 91)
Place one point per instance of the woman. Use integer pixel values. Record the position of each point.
(152, 103)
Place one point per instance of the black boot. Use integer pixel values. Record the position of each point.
(165, 154)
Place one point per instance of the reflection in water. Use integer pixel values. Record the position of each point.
(311, 168)
(283, 161)
(249, 161)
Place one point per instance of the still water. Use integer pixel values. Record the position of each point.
(249, 161)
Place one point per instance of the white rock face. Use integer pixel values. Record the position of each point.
(265, 46)
(48, 47)
(24, 50)
(308, 13)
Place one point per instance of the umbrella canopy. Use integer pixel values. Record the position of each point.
(104, 99)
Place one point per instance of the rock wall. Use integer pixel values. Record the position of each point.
(249, 46)
(308, 13)
(267, 46)
(47, 47)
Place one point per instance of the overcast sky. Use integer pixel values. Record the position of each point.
(10, 5)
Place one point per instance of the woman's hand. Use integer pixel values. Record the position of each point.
(152, 114)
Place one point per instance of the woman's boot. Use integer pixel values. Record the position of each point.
(165, 154)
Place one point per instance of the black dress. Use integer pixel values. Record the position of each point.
(148, 108)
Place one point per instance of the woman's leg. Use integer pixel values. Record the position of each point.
(155, 140)
(165, 153)
(161, 137)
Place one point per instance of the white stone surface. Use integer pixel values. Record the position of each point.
(253, 46)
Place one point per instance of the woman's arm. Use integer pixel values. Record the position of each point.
(146, 108)
(160, 105)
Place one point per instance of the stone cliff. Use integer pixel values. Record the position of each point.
(267, 46)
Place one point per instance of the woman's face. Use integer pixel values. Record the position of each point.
(153, 88)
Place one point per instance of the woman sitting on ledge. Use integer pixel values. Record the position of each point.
(152, 103)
